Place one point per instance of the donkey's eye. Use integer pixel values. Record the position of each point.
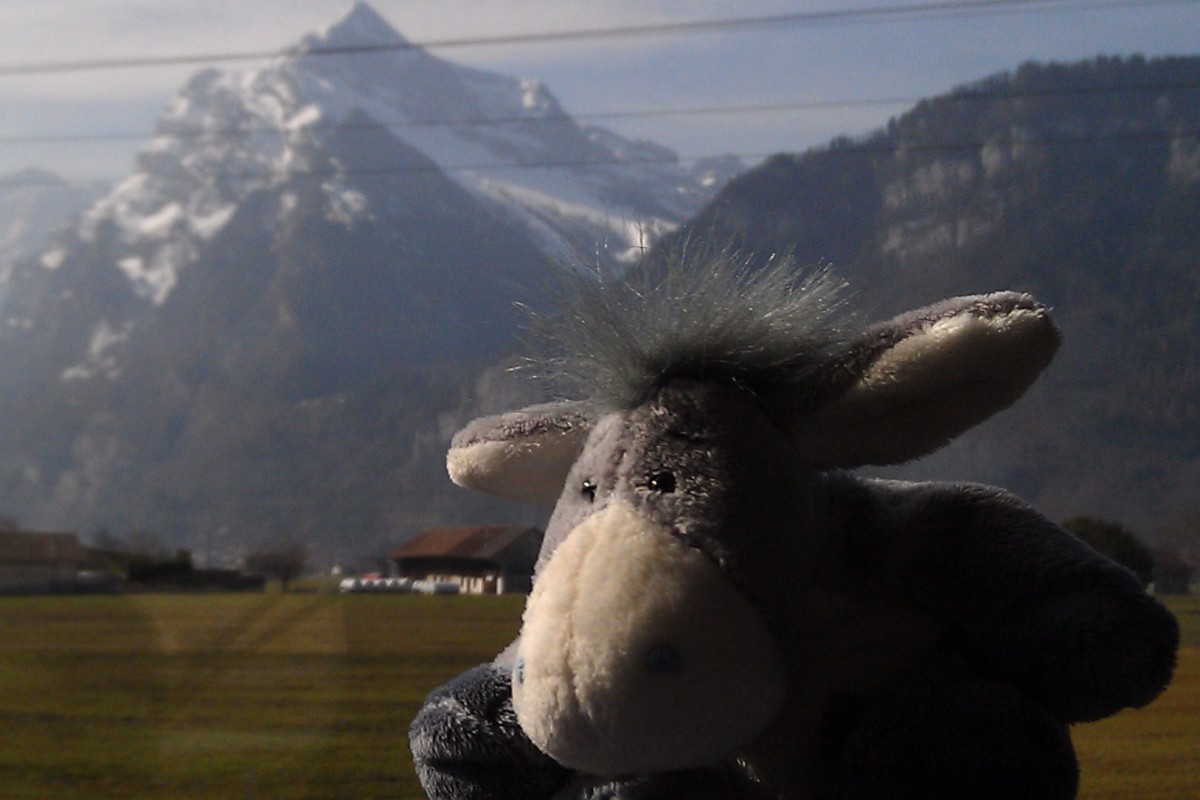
(588, 490)
(661, 482)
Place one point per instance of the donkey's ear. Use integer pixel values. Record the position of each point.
(522, 455)
(926, 376)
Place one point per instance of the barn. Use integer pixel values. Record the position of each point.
(489, 559)
(34, 563)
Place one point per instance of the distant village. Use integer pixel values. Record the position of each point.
(481, 559)
(495, 559)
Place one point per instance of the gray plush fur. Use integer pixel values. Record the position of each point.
(704, 315)
(936, 639)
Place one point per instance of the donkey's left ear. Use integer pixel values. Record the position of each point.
(523, 455)
(926, 376)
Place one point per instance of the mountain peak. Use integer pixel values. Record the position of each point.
(31, 176)
(361, 26)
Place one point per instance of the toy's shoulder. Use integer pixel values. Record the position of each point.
(1019, 598)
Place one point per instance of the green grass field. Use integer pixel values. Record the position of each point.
(309, 696)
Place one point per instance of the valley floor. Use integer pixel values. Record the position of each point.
(207, 697)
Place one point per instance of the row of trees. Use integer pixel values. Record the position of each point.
(1169, 566)
(283, 560)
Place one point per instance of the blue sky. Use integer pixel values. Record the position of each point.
(852, 60)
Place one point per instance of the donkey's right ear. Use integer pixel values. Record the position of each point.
(523, 455)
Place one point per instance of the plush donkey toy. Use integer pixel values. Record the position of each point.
(720, 611)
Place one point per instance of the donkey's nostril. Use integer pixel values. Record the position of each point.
(664, 659)
(519, 672)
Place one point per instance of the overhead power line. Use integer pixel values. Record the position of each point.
(967, 95)
(869, 147)
(935, 9)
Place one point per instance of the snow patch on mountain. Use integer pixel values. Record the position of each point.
(623, 238)
(100, 359)
(53, 258)
(154, 277)
(34, 206)
(208, 224)
(536, 98)
(345, 204)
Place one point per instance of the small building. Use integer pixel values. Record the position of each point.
(490, 559)
(38, 563)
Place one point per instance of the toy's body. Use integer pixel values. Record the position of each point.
(719, 611)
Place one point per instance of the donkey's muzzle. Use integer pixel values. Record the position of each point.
(638, 655)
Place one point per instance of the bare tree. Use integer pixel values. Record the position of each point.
(1117, 542)
(1184, 537)
(146, 543)
(1178, 553)
(284, 560)
(106, 540)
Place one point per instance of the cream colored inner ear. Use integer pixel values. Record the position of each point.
(930, 387)
(638, 655)
(526, 469)
(959, 349)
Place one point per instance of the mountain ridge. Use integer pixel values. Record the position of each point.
(1079, 183)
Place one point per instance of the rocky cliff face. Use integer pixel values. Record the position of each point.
(1078, 183)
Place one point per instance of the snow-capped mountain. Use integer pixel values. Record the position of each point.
(299, 377)
(231, 133)
(272, 326)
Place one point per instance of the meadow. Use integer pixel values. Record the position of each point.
(282, 696)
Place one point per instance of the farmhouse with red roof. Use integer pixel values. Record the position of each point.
(39, 562)
(490, 559)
